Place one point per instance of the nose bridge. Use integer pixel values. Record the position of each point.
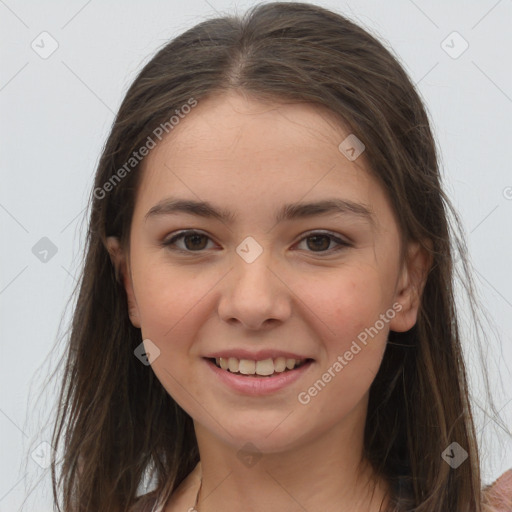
(253, 293)
(252, 264)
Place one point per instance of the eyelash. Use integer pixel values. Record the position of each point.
(182, 234)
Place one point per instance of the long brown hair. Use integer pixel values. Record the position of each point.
(116, 421)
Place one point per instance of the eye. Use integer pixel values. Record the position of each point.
(322, 241)
(193, 241)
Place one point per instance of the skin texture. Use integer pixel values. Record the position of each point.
(299, 295)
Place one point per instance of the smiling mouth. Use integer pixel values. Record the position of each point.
(266, 368)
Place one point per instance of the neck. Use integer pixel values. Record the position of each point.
(326, 474)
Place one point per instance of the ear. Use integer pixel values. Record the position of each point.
(122, 270)
(410, 285)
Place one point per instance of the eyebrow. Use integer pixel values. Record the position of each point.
(291, 211)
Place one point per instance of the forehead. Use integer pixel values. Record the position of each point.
(243, 152)
(233, 119)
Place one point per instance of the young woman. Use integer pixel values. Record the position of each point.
(266, 318)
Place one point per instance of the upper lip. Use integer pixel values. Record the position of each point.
(259, 355)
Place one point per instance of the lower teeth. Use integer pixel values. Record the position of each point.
(255, 374)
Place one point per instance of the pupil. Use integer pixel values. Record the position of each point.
(317, 237)
(194, 237)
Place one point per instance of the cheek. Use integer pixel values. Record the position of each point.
(348, 316)
(346, 302)
(170, 303)
(348, 319)
(168, 300)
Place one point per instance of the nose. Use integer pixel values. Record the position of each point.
(254, 295)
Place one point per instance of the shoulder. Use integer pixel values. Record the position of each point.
(499, 494)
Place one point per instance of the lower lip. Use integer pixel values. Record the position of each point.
(250, 385)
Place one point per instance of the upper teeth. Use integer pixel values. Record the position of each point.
(250, 367)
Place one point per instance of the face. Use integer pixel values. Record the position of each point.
(324, 283)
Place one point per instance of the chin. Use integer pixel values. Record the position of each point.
(251, 437)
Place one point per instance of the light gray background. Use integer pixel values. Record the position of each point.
(55, 116)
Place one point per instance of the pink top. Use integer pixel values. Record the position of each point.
(499, 494)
